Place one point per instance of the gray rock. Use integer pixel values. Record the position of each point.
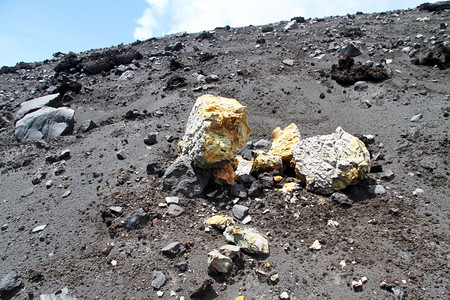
(4, 227)
(49, 184)
(428, 163)
(387, 175)
(87, 125)
(416, 118)
(238, 190)
(361, 86)
(67, 194)
(240, 211)
(120, 70)
(137, 218)
(262, 144)
(65, 154)
(331, 162)
(127, 75)
(171, 249)
(377, 190)
(175, 210)
(219, 263)
(62, 294)
(290, 26)
(151, 138)
(121, 154)
(47, 122)
(9, 283)
(158, 279)
(29, 106)
(352, 49)
(288, 62)
(38, 176)
(59, 167)
(182, 266)
(185, 179)
(341, 199)
(68, 96)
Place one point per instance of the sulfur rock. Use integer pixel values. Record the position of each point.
(283, 140)
(216, 129)
(331, 162)
(266, 162)
(220, 221)
(244, 167)
(248, 239)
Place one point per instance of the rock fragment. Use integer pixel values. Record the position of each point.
(248, 239)
(219, 263)
(290, 26)
(47, 122)
(240, 211)
(62, 294)
(331, 162)
(87, 125)
(9, 283)
(158, 279)
(137, 218)
(171, 249)
(283, 140)
(29, 106)
(220, 221)
(216, 129)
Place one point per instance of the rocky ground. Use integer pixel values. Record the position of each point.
(63, 213)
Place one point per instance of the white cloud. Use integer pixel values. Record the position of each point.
(170, 16)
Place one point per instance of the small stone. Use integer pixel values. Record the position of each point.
(361, 86)
(322, 96)
(160, 294)
(116, 209)
(240, 211)
(151, 138)
(9, 283)
(4, 227)
(38, 228)
(290, 26)
(247, 220)
(49, 184)
(262, 144)
(113, 262)
(175, 210)
(182, 266)
(219, 263)
(416, 118)
(341, 199)
(284, 295)
(65, 154)
(172, 200)
(274, 278)
(230, 250)
(387, 175)
(171, 249)
(418, 191)
(248, 239)
(316, 245)
(220, 221)
(377, 190)
(67, 194)
(158, 279)
(288, 62)
(137, 218)
(121, 155)
(87, 126)
(238, 190)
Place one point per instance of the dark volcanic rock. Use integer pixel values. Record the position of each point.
(438, 55)
(47, 122)
(175, 82)
(185, 179)
(346, 72)
(439, 6)
(106, 61)
(137, 218)
(70, 61)
(87, 125)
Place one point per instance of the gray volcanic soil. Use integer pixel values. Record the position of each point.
(398, 238)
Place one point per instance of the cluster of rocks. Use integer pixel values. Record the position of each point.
(217, 130)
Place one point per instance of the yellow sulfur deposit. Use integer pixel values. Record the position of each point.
(283, 140)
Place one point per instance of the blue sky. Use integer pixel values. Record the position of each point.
(32, 30)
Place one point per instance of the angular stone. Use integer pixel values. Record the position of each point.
(137, 218)
(283, 140)
(225, 174)
(216, 129)
(158, 279)
(238, 190)
(266, 162)
(240, 211)
(244, 166)
(87, 126)
(34, 104)
(183, 178)
(291, 25)
(352, 49)
(230, 250)
(219, 263)
(248, 239)
(47, 122)
(171, 249)
(9, 283)
(329, 163)
(220, 221)
(377, 190)
(175, 210)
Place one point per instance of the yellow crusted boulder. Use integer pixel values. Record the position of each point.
(331, 162)
(283, 140)
(216, 129)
